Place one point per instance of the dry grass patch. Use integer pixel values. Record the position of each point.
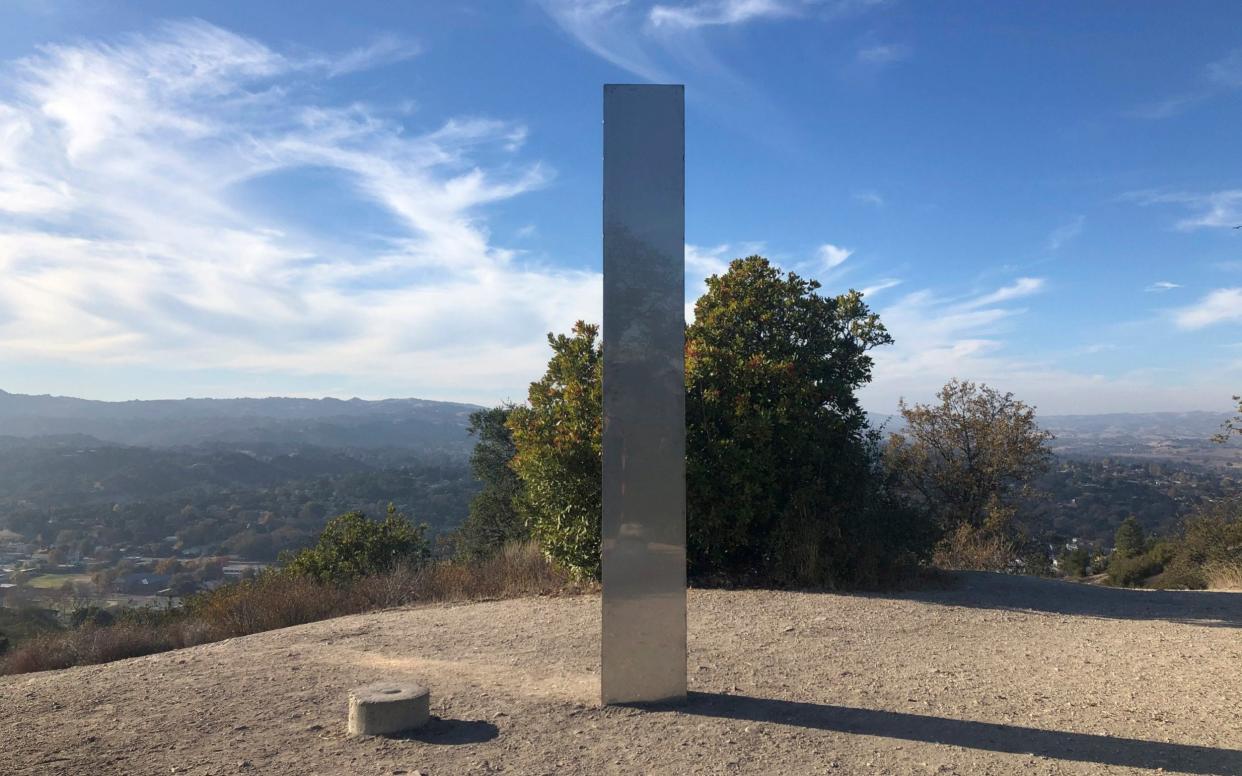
(1224, 576)
(277, 600)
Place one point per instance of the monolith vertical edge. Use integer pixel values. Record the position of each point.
(643, 647)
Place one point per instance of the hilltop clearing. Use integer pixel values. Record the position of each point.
(995, 675)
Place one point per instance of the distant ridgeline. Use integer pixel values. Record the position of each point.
(407, 424)
(245, 477)
(1185, 437)
(252, 477)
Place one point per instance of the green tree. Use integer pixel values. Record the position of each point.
(353, 546)
(968, 460)
(1129, 541)
(784, 481)
(556, 436)
(782, 476)
(494, 519)
(1075, 562)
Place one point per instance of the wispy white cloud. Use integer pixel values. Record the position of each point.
(657, 40)
(879, 55)
(610, 29)
(1215, 209)
(1168, 107)
(1220, 76)
(1016, 290)
(832, 256)
(937, 338)
(1227, 71)
(386, 50)
(126, 236)
(940, 337)
(878, 286)
(1066, 232)
(1224, 305)
(719, 12)
(869, 197)
(1163, 285)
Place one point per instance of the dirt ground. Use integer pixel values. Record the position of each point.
(995, 675)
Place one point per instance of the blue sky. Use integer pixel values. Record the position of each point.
(401, 199)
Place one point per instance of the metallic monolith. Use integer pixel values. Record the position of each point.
(644, 520)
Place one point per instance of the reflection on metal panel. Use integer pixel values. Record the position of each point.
(644, 520)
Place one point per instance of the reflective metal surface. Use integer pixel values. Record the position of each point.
(644, 520)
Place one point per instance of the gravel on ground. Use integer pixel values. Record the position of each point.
(992, 675)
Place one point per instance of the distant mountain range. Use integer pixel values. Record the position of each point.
(1174, 436)
(428, 426)
(434, 426)
(1145, 425)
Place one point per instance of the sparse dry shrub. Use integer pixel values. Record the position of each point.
(976, 549)
(42, 653)
(269, 602)
(91, 644)
(125, 640)
(277, 600)
(1224, 576)
(520, 569)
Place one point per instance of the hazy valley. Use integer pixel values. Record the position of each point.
(94, 496)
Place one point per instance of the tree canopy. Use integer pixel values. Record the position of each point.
(494, 519)
(966, 461)
(1130, 540)
(780, 462)
(784, 482)
(557, 439)
(352, 546)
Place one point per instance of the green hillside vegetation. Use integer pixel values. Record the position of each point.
(1089, 499)
(1205, 553)
(113, 501)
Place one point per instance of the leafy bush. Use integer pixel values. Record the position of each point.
(1133, 570)
(1075, 562)
(494, 520)
(1208, 549)
(353, 546)
(557, 437)
(783, 478)
(784, 482)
